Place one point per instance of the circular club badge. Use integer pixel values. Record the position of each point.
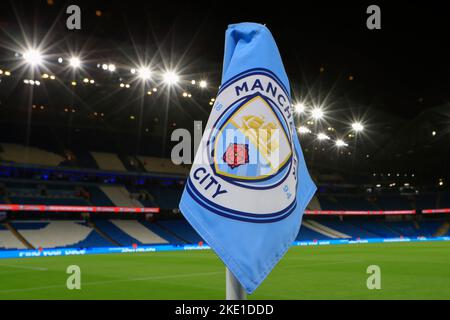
(246, 165)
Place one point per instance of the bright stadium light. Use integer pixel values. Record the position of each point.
(317, 113)
(357, 126)
(170, 77)
(341, 143)
(33, 57)
(299, 107)
(304, 130)
(322, 136)
(203, 84)
(75, 62)
(112, 67)
(144, 73)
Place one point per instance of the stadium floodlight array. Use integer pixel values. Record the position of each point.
(170, 77)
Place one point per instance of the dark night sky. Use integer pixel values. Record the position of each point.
(402, 68)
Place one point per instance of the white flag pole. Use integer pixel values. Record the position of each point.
(234, 289)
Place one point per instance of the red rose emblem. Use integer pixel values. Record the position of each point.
(236, 155)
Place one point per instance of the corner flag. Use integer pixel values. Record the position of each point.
(249, 185)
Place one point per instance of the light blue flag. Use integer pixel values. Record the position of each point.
(249, 185)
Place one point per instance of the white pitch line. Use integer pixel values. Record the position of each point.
(24, 267)
(320, 264)
(115, 281)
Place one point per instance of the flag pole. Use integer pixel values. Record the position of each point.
(234, 289)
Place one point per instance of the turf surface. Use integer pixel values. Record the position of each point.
(408, 271)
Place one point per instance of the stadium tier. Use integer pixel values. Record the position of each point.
(114, 232)
(84, 199)
(16, 154)
(166, 195)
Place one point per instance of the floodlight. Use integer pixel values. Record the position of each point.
(299, 107)
(75, 62)
(33, 57)
(304, 130)
(317, 113)
(144, 73)
(357, 126)
(322, 136)
(341, 143)
(171, 77)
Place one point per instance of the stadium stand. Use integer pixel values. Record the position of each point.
(344, 202)
(29, 155)
(167, 198)
(84, 159)
(426, 200)
(443, 200)
(324, 230)
(428, 228)
(314, 204)
(115, 233)
(131, 163)
(442, 230)
(43, 193)
(405, 228)
(108, 161)
(164, 166)
(309, 234)
(138, 231)
(98, 197)
(161, 187)
(348, 229)
(182, 229)
(393, 202)
(119, 196)
(8, 240)
(164, 233)
(56, 234)
(378, 228)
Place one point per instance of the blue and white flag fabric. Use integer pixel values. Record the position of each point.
(249, 185)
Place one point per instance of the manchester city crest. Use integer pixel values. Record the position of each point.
(249, 150)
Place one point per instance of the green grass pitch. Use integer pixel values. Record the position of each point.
(408, 271)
